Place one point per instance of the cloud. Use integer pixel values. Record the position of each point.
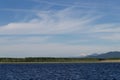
(51, 50)
(80, 4)
(112, 37)
(23, 40)
(108, 31)
(67, 21)
(108, 27)
(59, 22)
(18, 10)
(34, 11)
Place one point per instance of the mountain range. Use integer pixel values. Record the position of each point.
(112, 54)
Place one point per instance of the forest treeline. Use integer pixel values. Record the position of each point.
(47, 59)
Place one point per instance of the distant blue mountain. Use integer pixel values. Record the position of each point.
(113, 54)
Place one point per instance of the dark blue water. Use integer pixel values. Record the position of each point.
(78, 71)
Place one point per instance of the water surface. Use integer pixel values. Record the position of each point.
(60, 71)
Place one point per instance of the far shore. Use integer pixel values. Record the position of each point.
(43, 60)
(104, 61)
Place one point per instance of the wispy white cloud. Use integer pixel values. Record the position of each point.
(112, 37)
(108, 31)
(60, 22)
(22, 10)
(108, 27)
(81, 4)
(24, 40)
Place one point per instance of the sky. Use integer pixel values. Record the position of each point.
(58, 28)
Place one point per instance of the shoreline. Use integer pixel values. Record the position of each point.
(59, 62)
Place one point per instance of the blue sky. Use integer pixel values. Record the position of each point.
(58, 28)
